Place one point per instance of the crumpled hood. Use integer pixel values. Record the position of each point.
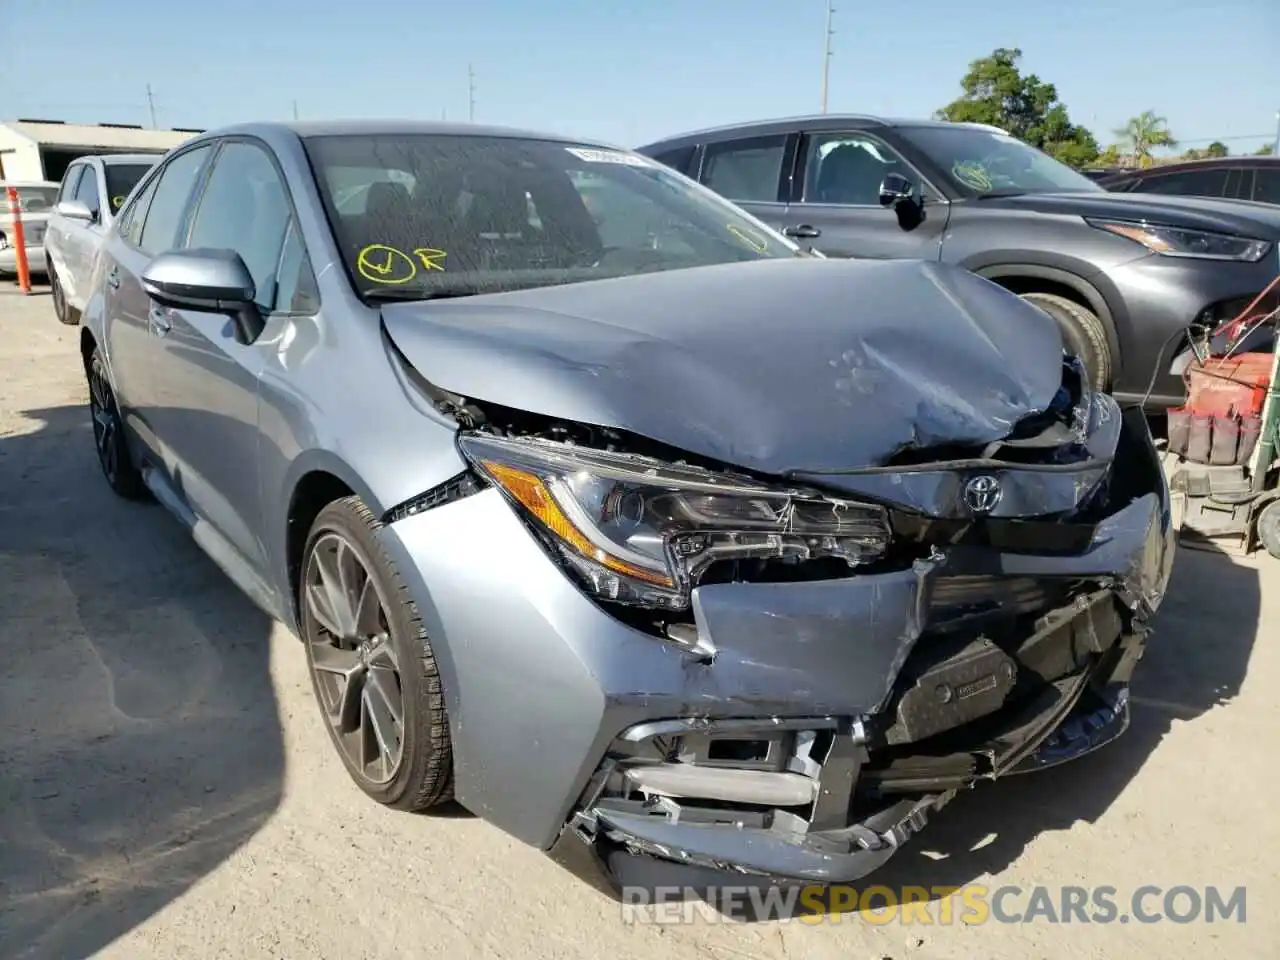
(775, 366)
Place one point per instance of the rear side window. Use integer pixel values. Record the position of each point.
(1266, 185)
(69, 181)
(87, 191)
(679, 159)
(169, 201)
(745, 170)
(1188, 183)
(121, 179)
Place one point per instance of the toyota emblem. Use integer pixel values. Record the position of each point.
(981, 494)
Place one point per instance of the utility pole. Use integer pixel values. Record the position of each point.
(151, 106)
(1276, 149)
(471, 92)
(826, 54)
(295, 109)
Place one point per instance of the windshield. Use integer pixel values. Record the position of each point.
(985, 162)
(430, 214)
(121, 179)
(36, 199)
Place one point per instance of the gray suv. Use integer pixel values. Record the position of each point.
(1122, 274)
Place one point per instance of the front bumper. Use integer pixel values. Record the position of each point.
(1155, 298)
(809, 748)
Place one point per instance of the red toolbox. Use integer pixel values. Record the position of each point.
(1222, 418)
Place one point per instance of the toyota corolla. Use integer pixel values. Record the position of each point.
(606, 510)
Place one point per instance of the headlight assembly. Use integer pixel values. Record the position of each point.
(1178, 242)
(642, 532)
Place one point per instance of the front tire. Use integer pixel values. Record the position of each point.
(61, 309)
(1268, 526)
(1082, 333)
(372, 668)
(114, 458)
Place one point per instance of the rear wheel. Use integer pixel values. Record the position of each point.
(1082, 333)
(121, 474)
(372, 668)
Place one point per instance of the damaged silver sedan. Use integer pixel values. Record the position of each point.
(606, 510)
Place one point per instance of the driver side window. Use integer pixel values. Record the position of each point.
(848, 168)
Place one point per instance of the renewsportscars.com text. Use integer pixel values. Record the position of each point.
(972, 905)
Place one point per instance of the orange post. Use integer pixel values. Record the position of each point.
(19, 240)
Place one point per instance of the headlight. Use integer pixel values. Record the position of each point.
(1177, 242)
(641, 531)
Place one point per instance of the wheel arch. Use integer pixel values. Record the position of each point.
(1023, 278)
(316, 480)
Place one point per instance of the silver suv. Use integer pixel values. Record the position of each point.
(93, 191)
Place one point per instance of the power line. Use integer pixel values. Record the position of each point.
(151, 106)
(826, 54)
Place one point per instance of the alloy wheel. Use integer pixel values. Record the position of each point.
(353, 659)
(106, 421)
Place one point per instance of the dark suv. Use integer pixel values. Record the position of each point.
(1234, 178)
(1122, 274)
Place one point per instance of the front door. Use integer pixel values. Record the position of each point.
(149, 226)
(839, 198)
(204, 396)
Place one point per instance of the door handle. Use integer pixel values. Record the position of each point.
(160, 323)
(802, 231)
(113, 278)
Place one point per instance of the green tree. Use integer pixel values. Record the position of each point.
(1145, 132)
(996, 93)
(1216, 149)
(1266, 150)
(1110, 157)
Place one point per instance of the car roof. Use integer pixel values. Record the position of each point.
(111, 159)
(815, 121)
(307, 129)
(1239, 161)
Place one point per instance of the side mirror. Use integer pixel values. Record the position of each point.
(74, 210)
(894, 189)
(210, 281)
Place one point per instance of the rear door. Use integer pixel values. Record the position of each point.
(205, 380)
(751, 171)
(150, 225)
(1266, 184)
(837, 187)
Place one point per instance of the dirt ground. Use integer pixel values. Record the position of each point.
(167, 790)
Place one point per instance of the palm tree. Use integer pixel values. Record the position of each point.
(1145, 131)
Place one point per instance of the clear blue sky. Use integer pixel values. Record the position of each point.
(631, 70)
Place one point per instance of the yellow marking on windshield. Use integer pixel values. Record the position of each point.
(755, 243)
(379, 263)
(430, 257)
(972, 174)
(117, 202)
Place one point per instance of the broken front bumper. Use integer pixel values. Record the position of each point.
(835, 716)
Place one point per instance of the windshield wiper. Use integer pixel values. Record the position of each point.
(398, 295)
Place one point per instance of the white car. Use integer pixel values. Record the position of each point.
(93, 191)
(35, 200)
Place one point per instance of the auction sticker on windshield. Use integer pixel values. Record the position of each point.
(608, 156)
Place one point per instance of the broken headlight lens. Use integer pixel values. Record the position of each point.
(642, 531)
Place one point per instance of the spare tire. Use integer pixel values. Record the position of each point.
(1082, 334)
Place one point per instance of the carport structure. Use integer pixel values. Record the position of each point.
(34, 150)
